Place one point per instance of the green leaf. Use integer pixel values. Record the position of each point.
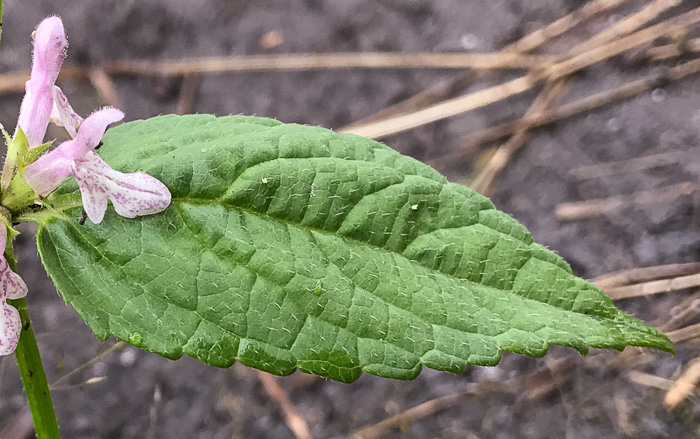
(291, 246)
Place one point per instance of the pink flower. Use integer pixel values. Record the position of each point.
(49, 50)
(132, 195)
(11, 287)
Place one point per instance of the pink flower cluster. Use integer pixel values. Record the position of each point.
(132, 195)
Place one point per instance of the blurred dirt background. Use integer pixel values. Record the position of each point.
(613, 188)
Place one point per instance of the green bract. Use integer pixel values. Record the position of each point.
(290, 246)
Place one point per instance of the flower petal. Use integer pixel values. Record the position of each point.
(10, 326)
(3, 238)
(93, 188)
(91, 131)
(11, 285)
(49, 50)
(63, 115)
(49, 171)
(35, 112)
(132, 195)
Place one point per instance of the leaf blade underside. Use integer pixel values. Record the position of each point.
(290, 246)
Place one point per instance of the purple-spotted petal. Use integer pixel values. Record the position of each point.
(49, 50)
(132, 195)
(10, 326)
(11, 285)
(63, 115)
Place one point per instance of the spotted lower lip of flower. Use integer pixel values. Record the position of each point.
(10, 328)
(11, 287)
(63, 114)
(49, 50)
(132, 195)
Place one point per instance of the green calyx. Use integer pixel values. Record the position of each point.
(17, 196)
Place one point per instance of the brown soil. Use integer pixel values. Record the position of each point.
(590, 398)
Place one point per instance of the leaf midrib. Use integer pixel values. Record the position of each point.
(264, 217)
(309, 229)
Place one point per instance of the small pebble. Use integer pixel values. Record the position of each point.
(613, 125)
(128, 357)
(469, 42)
(658, 95)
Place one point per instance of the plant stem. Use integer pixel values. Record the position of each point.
(29, 362)
(33, 378)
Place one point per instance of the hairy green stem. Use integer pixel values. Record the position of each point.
(33, 378)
